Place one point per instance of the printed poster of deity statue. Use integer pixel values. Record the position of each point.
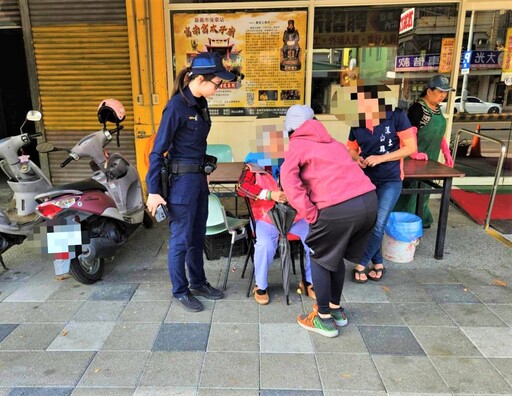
(265, 50)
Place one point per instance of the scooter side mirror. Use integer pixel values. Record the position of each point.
(45, 147)
(34, 115)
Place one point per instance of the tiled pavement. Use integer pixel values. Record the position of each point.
(431, 327)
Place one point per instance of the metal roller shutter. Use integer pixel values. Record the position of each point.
(9, 14)
(82, 56)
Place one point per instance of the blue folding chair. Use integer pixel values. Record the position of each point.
(223, 152)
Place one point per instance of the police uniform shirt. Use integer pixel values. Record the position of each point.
(384, 139)
(182, 133)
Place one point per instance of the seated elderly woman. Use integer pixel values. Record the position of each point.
(263, 192)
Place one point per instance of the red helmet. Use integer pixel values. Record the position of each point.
(111, 110)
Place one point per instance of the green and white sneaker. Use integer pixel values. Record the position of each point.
(339, 316)
(313, 322)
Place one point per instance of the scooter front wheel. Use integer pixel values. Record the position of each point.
(86, 273)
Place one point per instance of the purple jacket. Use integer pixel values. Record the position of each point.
(319, 172)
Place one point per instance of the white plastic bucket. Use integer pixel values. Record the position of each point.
(398, 251)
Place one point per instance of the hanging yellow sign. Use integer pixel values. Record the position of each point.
(446, 58)
(506, 65)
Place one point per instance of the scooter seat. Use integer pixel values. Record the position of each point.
(82, 185)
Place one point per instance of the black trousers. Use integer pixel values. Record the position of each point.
(341, 232)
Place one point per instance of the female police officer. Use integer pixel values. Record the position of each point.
(182, 134)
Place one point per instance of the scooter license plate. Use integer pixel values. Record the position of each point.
(61, 237)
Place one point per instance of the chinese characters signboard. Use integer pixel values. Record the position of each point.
(406, 21)
(446, 60)
(265, 50)
(507, 58)
(431, 62)
(407, 63)
(486, 59)
(336, 27)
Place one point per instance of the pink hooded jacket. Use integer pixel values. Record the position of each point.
(319, 172)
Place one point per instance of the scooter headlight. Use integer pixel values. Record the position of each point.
(51, 208)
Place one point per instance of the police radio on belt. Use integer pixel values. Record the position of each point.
(209, 164)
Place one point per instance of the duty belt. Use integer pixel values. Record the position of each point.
(177, 168)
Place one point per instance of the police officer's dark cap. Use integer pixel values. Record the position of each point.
(210, 63)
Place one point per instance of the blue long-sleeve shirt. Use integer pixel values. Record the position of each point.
(182, 134)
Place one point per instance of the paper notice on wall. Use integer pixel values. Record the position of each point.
(265, 50)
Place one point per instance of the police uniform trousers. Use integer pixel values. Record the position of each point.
(188, 213)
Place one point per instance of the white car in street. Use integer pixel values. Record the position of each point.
(474, 105)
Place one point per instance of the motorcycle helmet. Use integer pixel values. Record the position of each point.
(111, 110)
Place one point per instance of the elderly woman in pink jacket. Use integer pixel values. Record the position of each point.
(330, 190)
(263, 192)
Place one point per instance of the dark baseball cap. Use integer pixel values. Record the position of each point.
(210, 63)
(441, 83)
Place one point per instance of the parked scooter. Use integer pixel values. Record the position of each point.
(106, 209)
(26, 180)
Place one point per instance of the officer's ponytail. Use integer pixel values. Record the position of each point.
(181, 81)
(183, 78)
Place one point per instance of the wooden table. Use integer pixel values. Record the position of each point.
(430, 174)
(433, 178)
(227, 173)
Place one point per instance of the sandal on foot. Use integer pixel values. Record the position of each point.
(360, 272)
(380, 271)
